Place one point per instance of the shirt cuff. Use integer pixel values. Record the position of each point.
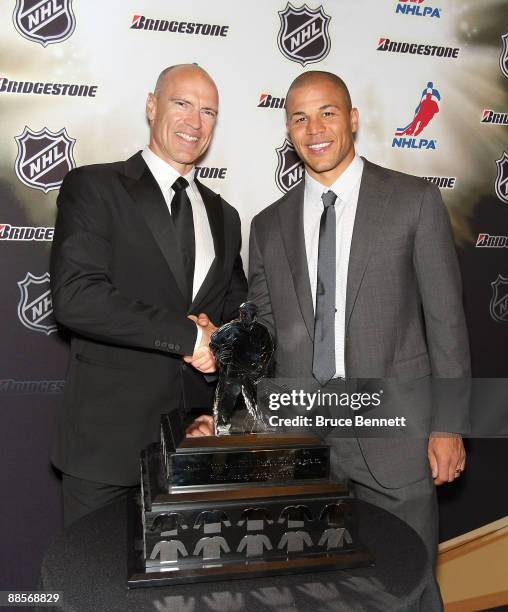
(444, 434)
(198, 339)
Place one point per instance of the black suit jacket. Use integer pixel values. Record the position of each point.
(118, 285)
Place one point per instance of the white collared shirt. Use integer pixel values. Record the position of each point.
(347, 189)
(166, 175)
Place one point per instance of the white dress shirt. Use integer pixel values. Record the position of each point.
(346, 188)
(166, 175)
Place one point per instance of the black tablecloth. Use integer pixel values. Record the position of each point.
(88, 562)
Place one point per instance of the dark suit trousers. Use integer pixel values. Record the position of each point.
(80, 497)
(415, 503)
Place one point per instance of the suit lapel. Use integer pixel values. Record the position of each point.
(293, 237)
(374, 193)
(144, 190)
(215, 214)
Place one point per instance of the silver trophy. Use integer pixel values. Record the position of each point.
(243, 349)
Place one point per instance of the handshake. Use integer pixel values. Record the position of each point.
(203, 359)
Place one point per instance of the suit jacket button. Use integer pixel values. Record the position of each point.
(157, 343)
(177, 347)
(171, 346)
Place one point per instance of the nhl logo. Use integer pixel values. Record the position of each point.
(503, 59)
(289, 167)
(303, 35)
(501, 184)
(46, 22)
(44, 158)
(499, 301)
(35, 309)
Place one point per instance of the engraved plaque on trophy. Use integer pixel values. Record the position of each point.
(243, 504)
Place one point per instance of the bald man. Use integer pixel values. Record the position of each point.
(141, 249)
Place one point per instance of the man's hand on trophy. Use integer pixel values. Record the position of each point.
(202, 426)
(203, 359)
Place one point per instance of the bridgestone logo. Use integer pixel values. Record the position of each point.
(490, 116)
(25, 234)
(206, 172)
(268, 101)
(385, 44)
(140, 22)
(9, 386)
(492, 242)
(47, 89)
(443, 182)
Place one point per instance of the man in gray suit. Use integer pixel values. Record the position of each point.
(354, 272)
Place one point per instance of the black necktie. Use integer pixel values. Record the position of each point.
(181, 213)
(323, 363)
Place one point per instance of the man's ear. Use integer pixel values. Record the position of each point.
(355, 120)
(151, 106)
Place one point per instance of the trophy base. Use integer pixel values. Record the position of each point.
(140, 574)
(239, 506)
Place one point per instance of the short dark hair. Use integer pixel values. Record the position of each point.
(313, 76)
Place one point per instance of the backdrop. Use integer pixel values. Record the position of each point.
(429, 78)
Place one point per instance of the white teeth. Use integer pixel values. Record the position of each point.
(320, 145)
(187, 137)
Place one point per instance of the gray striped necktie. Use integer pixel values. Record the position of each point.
(323, 362)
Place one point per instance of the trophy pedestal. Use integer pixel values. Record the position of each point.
(239, 506)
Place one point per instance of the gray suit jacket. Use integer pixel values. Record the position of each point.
(404, 314)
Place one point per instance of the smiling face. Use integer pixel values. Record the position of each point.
(321, 124)
(182, 115)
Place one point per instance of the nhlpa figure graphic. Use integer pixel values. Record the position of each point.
(424, 112)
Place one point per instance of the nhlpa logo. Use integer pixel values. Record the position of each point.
(503, 59)
(35, 309)
(501, 184)
(428, 106)
(303, 35)
(412, 7)
(289, 167)
(46, 21)
(44, 158)
(499, 300)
